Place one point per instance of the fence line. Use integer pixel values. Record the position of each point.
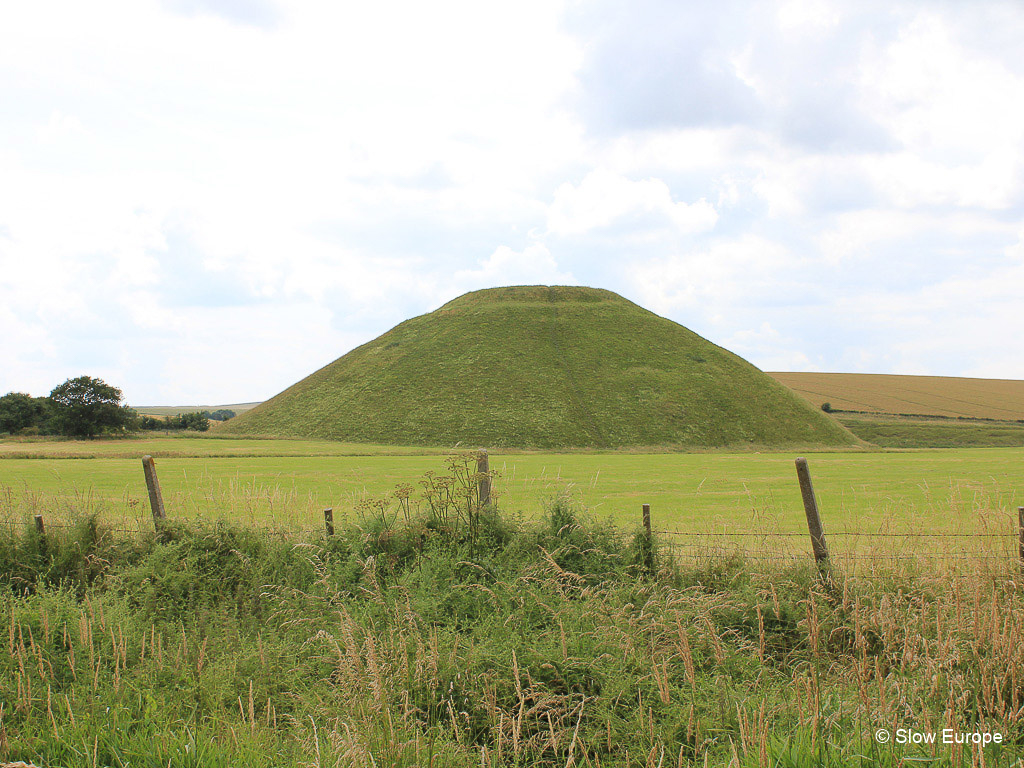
(818, 537)
(874, 534)
(1010, 535)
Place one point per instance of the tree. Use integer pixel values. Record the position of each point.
(19, 411)
(194, 420)
(86, 407)
(221, 414)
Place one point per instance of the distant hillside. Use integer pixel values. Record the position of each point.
(543, 367)
(175, 410)
(1001, 399)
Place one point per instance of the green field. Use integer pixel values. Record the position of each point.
(176, 410)
(887, 431)
(290, 482)
(463, 637)
(188, 445)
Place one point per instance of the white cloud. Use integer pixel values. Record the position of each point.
(771, 350)
(958, 113)
(973, 315)
(259, 172)
(710, 280)
(252, 352)
(807, 16)
(534, 265)
(604, 199)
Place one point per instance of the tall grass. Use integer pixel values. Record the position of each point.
(444, 634)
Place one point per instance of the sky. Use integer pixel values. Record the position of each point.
(204, 201)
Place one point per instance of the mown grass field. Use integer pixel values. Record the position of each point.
(290, 482)
(1001, 399)
(189, 445)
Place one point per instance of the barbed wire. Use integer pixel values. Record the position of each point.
(699, 547)
(831, 534)
(10, 523)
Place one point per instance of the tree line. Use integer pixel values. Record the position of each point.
(87, 407)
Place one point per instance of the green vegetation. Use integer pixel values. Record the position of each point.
(924, 432)
(198, 421)
(177, 410)
(19, 412)
(290, 482)
(183, 445)
(221, 414)
(85, 407)
(442, 633)
(542, 367)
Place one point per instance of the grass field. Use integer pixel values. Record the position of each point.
(175, 410)
(454, 637)
(290, 482)
(1000, 399)
(887, 431)
(188, 445)
(461, 640)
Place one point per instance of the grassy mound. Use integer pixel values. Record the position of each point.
(542, 367)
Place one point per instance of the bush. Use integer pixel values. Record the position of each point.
(195, 420)
(19, 411)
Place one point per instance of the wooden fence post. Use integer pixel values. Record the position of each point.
(41, 532)
(329, 520)
(1020, 521)
(811, 510)
(647, 546)
(156, 501)
(483, 487)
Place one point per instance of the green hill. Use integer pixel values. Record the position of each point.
(542, 367)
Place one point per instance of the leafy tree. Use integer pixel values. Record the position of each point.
(195, 420)
(221, 414)
(86, 407)
(19, 411)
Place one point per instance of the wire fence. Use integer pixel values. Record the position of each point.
(983, 546)
(765, 547)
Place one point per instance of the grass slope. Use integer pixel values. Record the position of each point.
(922, 432)
(920, 395)
(542, 367)
(177, 410)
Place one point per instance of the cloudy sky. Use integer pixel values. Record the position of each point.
(202, 201)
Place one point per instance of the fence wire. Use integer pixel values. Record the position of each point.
(683, 545)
